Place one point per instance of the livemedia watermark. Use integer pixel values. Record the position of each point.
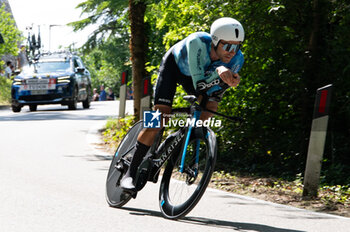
(153, 119)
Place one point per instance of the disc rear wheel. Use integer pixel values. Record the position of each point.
(115, 195)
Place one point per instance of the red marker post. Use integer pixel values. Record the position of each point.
(146, 96)
(317, 141)
(122, 94)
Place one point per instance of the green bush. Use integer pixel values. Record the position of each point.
(5, 91)
(116, 129)
(289, 54)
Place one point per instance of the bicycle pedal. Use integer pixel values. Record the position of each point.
(134, 195)
(131, 192)
(119, 167)
(128, 157)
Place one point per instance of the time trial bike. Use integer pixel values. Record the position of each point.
(189, 156)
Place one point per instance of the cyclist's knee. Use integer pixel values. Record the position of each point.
(165, 109)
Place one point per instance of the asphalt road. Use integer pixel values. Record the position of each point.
(52, 178)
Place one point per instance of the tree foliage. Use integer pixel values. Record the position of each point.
(291, 49)
(11, 35)
(106, 62)
(106, 51)
(113, 25)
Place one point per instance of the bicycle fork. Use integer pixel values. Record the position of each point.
(195, 166)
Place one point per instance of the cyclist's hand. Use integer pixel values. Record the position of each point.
(236, 79)
(230, 78)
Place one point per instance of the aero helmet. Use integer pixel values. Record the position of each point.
(228, 29)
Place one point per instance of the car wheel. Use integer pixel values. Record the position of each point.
(33, 107)
(86, 102)
(72, 105)
(16, 109)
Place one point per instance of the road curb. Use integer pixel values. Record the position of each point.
(4, 107)
(93, 137)
(288, 207)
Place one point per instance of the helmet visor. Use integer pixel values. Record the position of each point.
(229, 47)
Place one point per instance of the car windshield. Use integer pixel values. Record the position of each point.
(47, 67)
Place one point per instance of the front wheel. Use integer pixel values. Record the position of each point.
(181, 191)
(33, 107)
(87, 101)
(115, 195)
(16, 108)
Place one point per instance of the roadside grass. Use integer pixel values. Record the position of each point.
(115, 130)
(5, 91)
(330, 199)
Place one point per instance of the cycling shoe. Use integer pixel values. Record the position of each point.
(127, 183)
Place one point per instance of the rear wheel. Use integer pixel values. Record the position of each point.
(115, 195)
(33, 107)
(72, 105)
(181, 191)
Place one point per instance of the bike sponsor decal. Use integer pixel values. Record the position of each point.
(169, 149)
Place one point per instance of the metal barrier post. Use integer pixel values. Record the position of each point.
(317, 141)
(146, 96)
(122, 94)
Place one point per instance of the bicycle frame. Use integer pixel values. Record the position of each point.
(189, 151)
(178, 139)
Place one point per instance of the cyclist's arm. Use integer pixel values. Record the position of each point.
(195, 50)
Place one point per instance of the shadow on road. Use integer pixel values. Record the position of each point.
(53, 115)
(212, 222)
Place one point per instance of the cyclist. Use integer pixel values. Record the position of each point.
(197, 62)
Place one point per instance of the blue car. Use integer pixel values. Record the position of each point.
(59, 78)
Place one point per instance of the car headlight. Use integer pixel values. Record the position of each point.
(64, 79)
(18, 81)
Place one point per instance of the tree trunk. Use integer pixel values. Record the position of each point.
(311, 77)
(137, 10)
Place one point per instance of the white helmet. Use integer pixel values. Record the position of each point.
(228, 29)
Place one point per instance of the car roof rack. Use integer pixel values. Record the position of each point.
(57, 55)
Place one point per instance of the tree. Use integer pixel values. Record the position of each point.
(113, 15)
(106, 62)
(11, 35)
(138, 43)
(291, 49)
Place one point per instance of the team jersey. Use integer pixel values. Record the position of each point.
(192, 56)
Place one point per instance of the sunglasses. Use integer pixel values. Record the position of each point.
(230, 47)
